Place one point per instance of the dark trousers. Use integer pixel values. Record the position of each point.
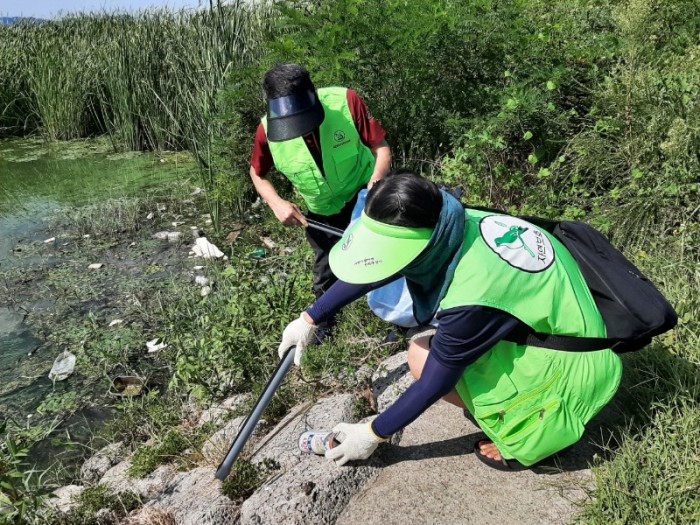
(322, 242)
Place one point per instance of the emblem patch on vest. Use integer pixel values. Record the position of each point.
(339, 136)
(517, 242)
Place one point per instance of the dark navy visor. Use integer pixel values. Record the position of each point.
(293, 116)
(291, 105)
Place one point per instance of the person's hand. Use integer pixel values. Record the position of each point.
(298, 333)
(359, 443)
(372, 182)
(288, 213)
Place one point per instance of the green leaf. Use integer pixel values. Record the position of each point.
(532, 159)
(527, 135)
(551, 86)
(544, 173)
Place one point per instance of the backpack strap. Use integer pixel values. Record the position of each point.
(567, 343)
(561, 342)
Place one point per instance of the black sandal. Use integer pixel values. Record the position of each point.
(508, 465)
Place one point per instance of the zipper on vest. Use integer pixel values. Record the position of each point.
(532, 394)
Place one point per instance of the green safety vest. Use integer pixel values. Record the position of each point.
(531, 402)
(348, 164)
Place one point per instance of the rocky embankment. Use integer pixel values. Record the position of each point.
(431, 477)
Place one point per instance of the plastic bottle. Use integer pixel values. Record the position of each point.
(317, 442)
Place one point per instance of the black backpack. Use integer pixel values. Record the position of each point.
(633, 309)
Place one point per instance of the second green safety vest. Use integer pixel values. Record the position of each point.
(531, 402)
(347, 162)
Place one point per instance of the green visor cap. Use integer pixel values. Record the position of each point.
(371, 251)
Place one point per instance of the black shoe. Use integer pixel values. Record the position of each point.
(321, 335)
(395, 335)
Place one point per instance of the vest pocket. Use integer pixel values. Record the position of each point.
(489, 385)
(346, 160)
(543, 430)
(304, 181)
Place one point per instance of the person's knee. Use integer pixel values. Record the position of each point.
(417, 354)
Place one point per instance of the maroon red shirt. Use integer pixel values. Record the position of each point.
(371, 133)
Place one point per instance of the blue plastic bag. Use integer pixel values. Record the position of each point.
(392, 302)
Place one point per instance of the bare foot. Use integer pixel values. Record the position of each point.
(490, 450)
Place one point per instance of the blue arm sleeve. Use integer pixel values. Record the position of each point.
(339, 295)
(464, 334)
(436, 381)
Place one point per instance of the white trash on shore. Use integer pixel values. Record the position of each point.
(169, 236)
(63, 366)
(95, 266)
(201, 280)
(203, 248)
(155, 346)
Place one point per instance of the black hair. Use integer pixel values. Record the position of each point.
(285, 80)
(402, 198)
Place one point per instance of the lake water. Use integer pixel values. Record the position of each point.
(36, 180)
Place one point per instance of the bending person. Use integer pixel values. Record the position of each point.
(488, 277)
(329, 147)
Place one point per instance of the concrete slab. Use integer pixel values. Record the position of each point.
(432, 477)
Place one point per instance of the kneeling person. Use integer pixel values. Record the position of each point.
(488, 276)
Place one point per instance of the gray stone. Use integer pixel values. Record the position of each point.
(215, 448)
(106, 517)
(391, 379)
(150, 516)
(194, 498)
(95, 467)
(308, 489)
(218, 413)
(118, 480)
(64, 500)
(281, 444)
(315, 490)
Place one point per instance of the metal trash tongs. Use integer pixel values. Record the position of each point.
(273, 384)
(249, 424)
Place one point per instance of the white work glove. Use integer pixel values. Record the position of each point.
(359, 443)
(298, 333)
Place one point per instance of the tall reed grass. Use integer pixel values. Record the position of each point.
(150, 80)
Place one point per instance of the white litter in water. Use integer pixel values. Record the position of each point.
(169, 236)
(150, 216)
(86, 236)
(203, 248)
(201, 280)
(197, 268)
(116, 322)
(63, 366)
(206, 290)
(95, 266)
(154, 346)
(48, 241)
